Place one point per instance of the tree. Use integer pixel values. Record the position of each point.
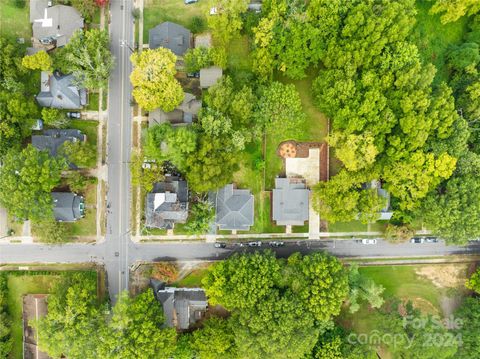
(5, 321)
(197, 58)
(144, 177)
(38, 61)
(321, 283)
(17, 115)
(473, 283)
(227, 282)
(469, 312)
(51, 231)
(215, 340)
(280, 108)
(452, 10)
(26, 179)
(227, 22)
(74, 323)
(134, 330)
(11, 66)
(54, 117)
(78, 182)
(81, 154)
(153, 80)
(363, 288)
(355, 151)
(201, 217)
(398, 233)
(452, 211)
(87, 56)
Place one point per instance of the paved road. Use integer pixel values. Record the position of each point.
(118, 150)
(79, 253)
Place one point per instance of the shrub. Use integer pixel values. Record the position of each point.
(197, 24)
(165, 272)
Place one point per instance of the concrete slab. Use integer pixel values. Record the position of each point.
(308, 168)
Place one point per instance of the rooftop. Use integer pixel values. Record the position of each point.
(68, 207)
(290, 202)
(209, 76)
(234, 208)
(59, 91)
(171, 36)
(185, 113)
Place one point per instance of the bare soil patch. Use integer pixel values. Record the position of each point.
(444, 276)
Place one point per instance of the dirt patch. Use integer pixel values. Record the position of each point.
(422, 304)
(444, 276)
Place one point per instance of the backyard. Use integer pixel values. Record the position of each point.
(20, 284)
(155, 12)
(15, 21)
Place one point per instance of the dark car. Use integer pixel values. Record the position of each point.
(73, 114)
(276, 244)
(254, 244)
(190, 2)
(431, 240)
(220, 245)
(417, 240)
(195, 75)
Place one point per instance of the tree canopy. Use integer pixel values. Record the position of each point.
(38, 61)
(153, 80)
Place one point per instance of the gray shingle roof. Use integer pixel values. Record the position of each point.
(185, 113)
(167, 204)
(58, 91)
(58, 22)
(171, 36)
(182, 306)
(209, 76)
(234, 209)
(68, 207)
(52, 140)
(290, 202)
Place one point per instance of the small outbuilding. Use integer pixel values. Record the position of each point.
(209, 76)
(185, 113)
(234, 209)
(290, 202)
(171, 36)
(68, 206)
(183, 307)
(59, 91)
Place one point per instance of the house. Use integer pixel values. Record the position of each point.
(54, 24)
(167, 204)
(290, 202)
(171, 36)
(234, 209)
(209, 76)
(52, 140)
(183, 307)
(385, 213)
(67, 206)
(185, 113)
(203, 40)
(59, 91)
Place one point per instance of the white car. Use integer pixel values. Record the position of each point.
(369, 241)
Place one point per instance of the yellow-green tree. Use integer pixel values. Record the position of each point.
(38, 61)
(452, 10)
(154, 84)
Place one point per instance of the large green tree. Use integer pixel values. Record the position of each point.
(5, 320)
(452, 10)
(87, 55)
(26, 179)
(469, 313)
(154, 84)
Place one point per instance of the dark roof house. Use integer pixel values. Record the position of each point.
(185, 113)
(234, 209)
(55, 23)
(167, 204)
(385, 213)
(290, 202)
(68, 207)
(171, 36)
(51, 141)
(182, 306)
(59, 91)
(209, 76)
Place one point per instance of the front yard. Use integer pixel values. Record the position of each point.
(89, 128)
(86, 226)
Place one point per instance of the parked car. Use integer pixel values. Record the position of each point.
(431, 240)
(369, 241)
(254, 244)
(276, 244)
(220, 245)
(417, 240)
(73, 114)
(195, 75)
(190, 2)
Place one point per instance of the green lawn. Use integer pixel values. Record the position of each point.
(193, 279)
(86, 226)
(90, 128)
(238, 55)
(353, 226)
(155, 12)
(433, 38)
(92, 101)
(14, 21)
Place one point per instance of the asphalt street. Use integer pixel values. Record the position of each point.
(118, 149)
(79, 253)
